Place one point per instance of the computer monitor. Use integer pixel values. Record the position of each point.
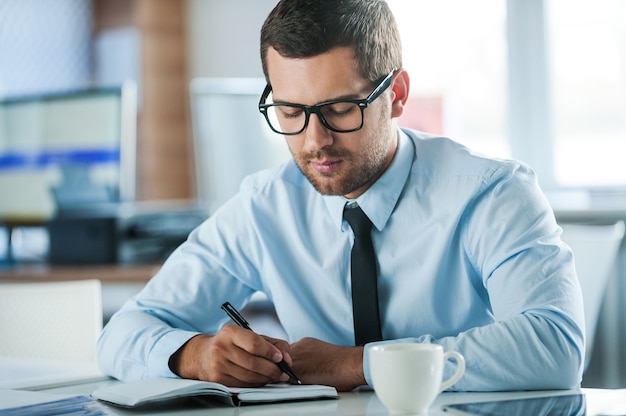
(61, 148)
(231, 139)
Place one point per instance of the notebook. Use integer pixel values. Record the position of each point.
(143, 392)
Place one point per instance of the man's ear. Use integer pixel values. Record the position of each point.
(400, 92)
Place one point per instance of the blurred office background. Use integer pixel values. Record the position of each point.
(543, 81)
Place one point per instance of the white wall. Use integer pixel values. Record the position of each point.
(224, 37)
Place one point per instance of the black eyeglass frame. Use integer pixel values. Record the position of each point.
(317, 108)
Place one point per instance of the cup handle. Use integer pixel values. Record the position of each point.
(460, 369)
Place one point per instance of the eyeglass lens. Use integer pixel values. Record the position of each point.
(339, 116)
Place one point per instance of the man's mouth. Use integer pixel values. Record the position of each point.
(325, 165)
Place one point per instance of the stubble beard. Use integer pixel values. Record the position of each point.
(353, 173)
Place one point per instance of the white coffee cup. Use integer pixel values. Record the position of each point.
(408, 377)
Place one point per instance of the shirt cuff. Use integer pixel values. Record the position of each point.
(158, 361)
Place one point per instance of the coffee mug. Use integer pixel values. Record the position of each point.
(408, 377)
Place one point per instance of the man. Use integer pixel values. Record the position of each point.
(468, 253)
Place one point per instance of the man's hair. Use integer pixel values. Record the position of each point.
(306, 28)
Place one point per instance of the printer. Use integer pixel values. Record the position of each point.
(122, 233)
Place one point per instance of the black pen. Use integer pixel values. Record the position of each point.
(239, 320)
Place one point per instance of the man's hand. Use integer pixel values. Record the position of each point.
(317, 362)
(234, 356)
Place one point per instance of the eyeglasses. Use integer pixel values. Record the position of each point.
(341, 116)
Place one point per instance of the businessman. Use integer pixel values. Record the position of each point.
(466, 251)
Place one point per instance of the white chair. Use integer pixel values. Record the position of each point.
(51, 320)
(595, 249)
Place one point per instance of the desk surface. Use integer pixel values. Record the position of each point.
(112, 273)
(42, 374)
(357, 403)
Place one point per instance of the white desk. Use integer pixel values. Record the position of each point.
(598, 402)
(66, 378)
(39, 373)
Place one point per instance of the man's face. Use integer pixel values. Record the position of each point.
(335, 163)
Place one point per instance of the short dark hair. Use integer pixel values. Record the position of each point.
(306, 28)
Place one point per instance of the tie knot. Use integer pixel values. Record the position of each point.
(360, 224)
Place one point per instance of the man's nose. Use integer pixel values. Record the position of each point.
(316, 134)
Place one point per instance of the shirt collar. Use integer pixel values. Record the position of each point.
(380, 199)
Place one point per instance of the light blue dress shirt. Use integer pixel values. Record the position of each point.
(469, 257)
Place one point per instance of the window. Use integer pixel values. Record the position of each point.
(587, 41)
(541, 81)
(455, 52)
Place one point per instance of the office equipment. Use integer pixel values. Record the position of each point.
(66, 148)
(126, 233)
(239, 320)
(595, 248)
(51, 320)
(230, 137)
(144, 392)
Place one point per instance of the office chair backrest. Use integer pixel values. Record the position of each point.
(52, 320)
(595, 249)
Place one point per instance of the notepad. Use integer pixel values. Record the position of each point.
(143, 392)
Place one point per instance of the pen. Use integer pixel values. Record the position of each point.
(239, 320)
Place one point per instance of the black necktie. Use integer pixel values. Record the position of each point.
(363, 270)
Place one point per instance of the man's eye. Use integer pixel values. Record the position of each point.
(291, 112)
(339, 109)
